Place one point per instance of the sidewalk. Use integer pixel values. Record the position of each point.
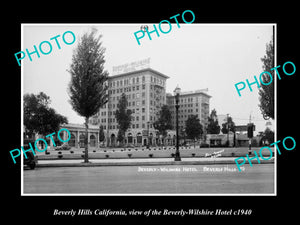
(142, 162)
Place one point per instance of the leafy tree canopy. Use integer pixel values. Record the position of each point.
(164, 121)
(123, 116)
(193, 127)
(87, 89)
(231, 126)
(213, 123)
(39, 117)
(266, 92)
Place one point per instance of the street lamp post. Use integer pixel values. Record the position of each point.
(148, 126)
(177, 93)
(228, 129)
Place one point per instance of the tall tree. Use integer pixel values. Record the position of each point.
(266, 92)
(88, 88)
(268, 136)
(164, 121)
(123, 117)
(229, 125)
(213, 123)
(193, 127)
(101, 134)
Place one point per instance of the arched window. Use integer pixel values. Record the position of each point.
(130, 138)
(93, 140)
(72, 140)
(81, 140)
(139, 138)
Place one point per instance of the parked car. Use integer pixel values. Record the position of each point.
(31, 160)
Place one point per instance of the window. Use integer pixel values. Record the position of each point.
(143, 79)
(143, 110)
(144, 86)
(137, 125)
(143, 125)
(143, 102)
(143, 94)
(137, 118)
(143, 117)
(137, 88)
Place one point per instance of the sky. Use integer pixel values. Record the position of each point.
(194, 56)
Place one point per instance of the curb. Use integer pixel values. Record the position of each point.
(94, 164)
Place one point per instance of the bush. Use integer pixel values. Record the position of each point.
(204, 145)
(129, 155)
(150, 155)
(107, 156)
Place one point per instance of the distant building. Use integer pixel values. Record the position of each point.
(190, 103)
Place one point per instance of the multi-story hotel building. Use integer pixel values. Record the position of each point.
(190, 103)
(145, 90)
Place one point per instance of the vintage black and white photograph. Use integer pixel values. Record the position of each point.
(148, 109)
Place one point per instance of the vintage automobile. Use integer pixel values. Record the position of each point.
(31, 160)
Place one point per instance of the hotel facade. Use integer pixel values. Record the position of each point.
(145, 90)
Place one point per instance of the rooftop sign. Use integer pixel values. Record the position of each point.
(129, 67)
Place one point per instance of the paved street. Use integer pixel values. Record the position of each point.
(175, 179)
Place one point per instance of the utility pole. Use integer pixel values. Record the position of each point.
(250, 134)
(227, 130)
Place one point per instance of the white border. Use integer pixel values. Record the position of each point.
(151, 194)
